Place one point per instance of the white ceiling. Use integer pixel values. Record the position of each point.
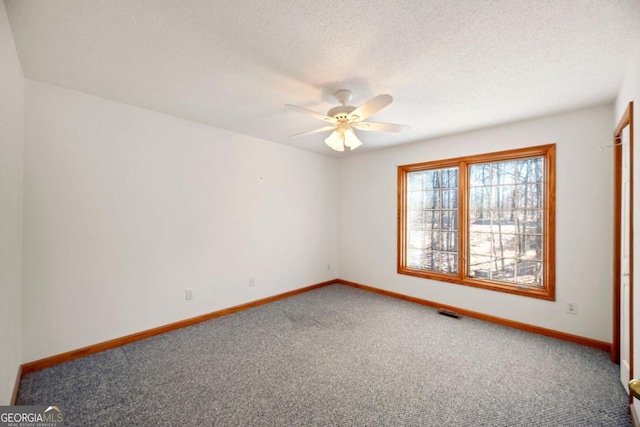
(451, 66)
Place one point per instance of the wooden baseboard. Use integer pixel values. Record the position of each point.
(634, 416)
(106, 345)
(16, 387)
(601, 345)
(117, 342)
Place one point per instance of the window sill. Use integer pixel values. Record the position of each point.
(540, 293)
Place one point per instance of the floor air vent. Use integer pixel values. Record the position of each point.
(448, 313)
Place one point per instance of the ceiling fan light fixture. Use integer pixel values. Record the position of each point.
(341, 138)
(344, 119)
(335, 141)
(351, 140)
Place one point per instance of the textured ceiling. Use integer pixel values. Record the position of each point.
(451, 66)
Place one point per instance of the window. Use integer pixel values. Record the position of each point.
(484, 221)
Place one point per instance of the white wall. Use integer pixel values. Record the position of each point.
(11, 146)
(125, 208)
(368, 221)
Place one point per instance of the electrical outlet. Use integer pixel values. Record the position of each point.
(189, 294)
(252, 282)
(572, 307)
(328, 267)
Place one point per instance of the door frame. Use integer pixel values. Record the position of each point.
(626, 120)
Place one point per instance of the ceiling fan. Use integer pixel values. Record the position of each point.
(344, 118)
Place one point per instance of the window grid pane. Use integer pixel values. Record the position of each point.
(432, 220)
(505, 219)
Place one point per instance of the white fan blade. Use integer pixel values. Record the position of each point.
(311, 113)
(313, 131)
(370, 107)
(380, 127)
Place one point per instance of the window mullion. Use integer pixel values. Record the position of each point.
(463, 235)
(402, 219)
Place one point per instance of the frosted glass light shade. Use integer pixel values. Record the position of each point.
(342, 137)
(335, 141)
(351, 140)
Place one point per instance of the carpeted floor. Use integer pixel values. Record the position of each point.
(337, 356)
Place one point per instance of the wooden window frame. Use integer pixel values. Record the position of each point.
(548, 152)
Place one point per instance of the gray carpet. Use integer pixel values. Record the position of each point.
(337, 356)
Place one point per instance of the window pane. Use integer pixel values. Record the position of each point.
(529, 196)
(449, 241)
(480, 175)
(530, 170)
(449, 263)
(415, 239)
(529, 273)
(432, 202)
(431, 261)
(504, 270)
(480, 243)
(432, 219)
(449, 199)
(530, 221)
(415, 200)
(449, 178)
(480, 198)
(530, 247)
(505, 221)
(480, 266)
(449, 220)
(503, 197)
(432, 199)
(415, 258)
(432, 240)
(504, 245)
(432, 179)
(415, 219)
(415, 181)
(505, 172)
(479, 218)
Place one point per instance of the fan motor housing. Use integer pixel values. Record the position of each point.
(341, 112)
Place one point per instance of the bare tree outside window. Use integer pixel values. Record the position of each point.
(506, 221)
(432, 229)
